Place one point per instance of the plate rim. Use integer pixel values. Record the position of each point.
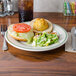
(36, 50)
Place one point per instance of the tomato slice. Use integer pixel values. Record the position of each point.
(21, 28)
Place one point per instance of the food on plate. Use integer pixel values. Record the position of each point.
(41, 25)
(38, 33)
(45, 39)
(21, 31)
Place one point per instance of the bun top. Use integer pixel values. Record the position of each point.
(40, 24)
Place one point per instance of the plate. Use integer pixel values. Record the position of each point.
(63, 36)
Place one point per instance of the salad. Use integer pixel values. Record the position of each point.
(45, 39)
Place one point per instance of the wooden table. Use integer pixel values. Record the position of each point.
(15, 62)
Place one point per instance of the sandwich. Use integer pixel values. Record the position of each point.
(21, 32)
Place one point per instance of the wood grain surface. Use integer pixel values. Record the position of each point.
(15, 62)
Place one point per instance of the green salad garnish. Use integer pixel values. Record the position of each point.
(45, 39)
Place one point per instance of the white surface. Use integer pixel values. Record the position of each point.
(48, 5)
(24, 46)
(45, 5)
(68, 45)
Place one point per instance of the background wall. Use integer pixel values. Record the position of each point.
(45, 5)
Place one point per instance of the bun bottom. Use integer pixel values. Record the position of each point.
(17, 38)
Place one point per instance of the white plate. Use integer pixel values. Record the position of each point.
(63, 36)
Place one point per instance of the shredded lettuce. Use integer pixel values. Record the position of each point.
(45, 39)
